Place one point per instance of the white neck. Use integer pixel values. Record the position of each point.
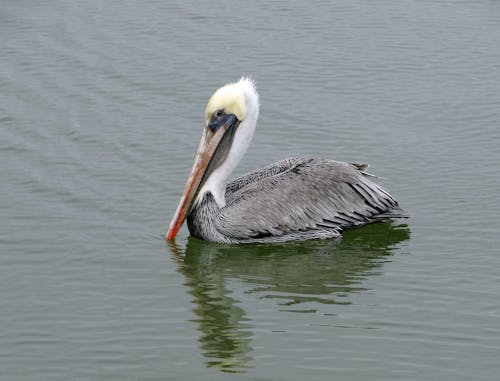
(217, 181)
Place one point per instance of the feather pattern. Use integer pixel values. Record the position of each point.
(294, 199)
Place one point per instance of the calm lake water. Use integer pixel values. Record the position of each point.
(101, 111)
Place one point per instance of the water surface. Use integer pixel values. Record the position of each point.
(101, 110)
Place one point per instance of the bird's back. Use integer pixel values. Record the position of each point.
(303, 198)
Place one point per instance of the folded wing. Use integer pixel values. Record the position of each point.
(304, 198)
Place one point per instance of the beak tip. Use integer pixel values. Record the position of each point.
(170, 236)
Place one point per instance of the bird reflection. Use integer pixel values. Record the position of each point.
(299, 276)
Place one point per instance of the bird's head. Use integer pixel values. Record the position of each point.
(232, 100)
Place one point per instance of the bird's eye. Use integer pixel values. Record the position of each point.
(219, 113)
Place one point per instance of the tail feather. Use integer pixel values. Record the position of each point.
(362, 168)
(394, 212)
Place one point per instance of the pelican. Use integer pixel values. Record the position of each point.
(294, 199)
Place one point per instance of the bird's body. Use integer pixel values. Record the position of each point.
(293, 199)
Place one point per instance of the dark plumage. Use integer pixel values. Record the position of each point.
(293, 199)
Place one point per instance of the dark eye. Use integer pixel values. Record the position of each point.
(219, 113)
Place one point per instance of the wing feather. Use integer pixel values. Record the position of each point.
(299, 195)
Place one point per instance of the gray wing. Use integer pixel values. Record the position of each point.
(260, 174)
(299, 196)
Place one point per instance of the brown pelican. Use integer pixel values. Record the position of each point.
(294, 199)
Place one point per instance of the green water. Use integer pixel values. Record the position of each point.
(101, 111)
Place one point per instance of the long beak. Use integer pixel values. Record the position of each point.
(208, 145)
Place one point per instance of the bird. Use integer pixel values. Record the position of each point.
(294, 199)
